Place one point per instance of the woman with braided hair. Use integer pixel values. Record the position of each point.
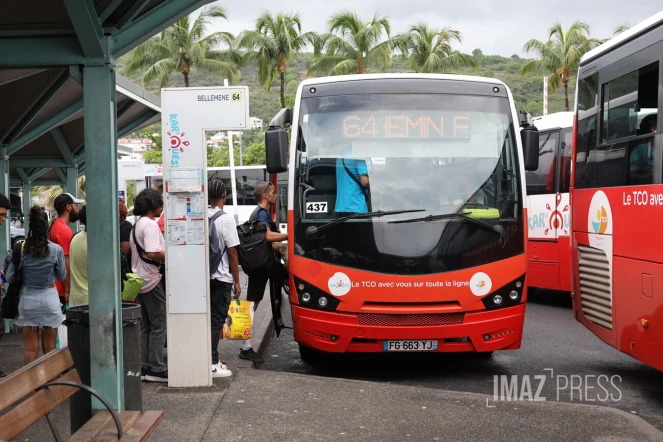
(42, 262)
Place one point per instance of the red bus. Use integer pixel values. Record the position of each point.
(617, 193)
(548, 209)
(406, 213)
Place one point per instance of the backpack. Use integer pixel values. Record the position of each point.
(254, 252)
(215, 252)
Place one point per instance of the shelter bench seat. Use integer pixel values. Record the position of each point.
(40, 387)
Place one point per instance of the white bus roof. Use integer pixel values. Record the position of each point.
(340, 78)
(551, 121)
(637, 30)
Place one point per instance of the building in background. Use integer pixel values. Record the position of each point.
(255, 123)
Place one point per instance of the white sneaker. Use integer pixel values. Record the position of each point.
(220, 371)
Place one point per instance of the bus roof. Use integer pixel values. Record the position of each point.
(341, 78)
(551, 121)
(623, 38)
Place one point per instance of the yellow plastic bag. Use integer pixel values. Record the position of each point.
(238, 324)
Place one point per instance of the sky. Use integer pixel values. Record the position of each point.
(496, 27)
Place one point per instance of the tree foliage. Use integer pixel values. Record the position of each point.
(183, 46)
(560, 55)
(429, 49)
(352, 45)
(274, 42)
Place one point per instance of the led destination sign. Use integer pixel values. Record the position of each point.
(412, 125)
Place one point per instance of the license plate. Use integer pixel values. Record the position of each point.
(409, 345)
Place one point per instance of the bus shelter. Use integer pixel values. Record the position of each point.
(60, 115)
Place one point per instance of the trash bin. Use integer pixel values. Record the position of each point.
(78, 332)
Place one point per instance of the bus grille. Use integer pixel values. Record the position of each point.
(595, 289)
(416, 320)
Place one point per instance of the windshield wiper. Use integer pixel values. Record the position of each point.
(312, 230)
(498, 230)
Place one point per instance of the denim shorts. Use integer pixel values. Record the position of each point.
(39, 307)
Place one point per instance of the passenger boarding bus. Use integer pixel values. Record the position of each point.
(617, 193)
(548, 210)
(406, 213)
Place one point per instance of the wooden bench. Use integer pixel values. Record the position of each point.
(38, 388)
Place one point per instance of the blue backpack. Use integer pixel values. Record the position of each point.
(215, 252)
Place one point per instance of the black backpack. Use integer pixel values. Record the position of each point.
(215, 252)
(254, 252)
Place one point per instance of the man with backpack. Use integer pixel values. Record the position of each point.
(261, 265)
(223, 266)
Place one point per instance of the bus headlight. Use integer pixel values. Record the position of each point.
(508, 295)
(312, 297)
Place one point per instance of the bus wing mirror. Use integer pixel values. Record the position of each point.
(529, 136)
(276, 150)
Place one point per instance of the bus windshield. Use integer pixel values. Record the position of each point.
(435, 153)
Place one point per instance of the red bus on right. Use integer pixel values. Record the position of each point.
(616, 192)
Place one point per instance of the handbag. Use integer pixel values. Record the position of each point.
(132, 286)
(9, 308)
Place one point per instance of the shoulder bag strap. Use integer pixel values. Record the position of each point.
(214, 218)
(354, 178)
(141, 250)
(17, 261)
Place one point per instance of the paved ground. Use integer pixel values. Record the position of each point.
(264, 405)
(553, 339)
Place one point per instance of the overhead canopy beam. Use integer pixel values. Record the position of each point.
(88, 29)
(39, 173)
(35, 106)
(131, 127)
(61, 174)
(108, 10)
(16, 182)
(15, 163)
(22, 174)
(44, 127)
(63, 146)
(153, 22)
(60, 50)
(132, 12)
(27, 73)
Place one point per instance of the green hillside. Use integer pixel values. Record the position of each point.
(527, 91)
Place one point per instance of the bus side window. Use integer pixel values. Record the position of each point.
(588, 89)
(542, 180)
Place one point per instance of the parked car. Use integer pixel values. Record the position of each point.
(16, 235)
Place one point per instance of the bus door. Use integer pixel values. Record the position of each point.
(545, 205)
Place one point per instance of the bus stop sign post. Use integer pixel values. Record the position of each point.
(187, 113)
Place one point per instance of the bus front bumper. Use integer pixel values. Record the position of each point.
(482, 331)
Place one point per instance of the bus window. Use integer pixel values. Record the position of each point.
(588, 89)
(542, 180)
(626, 100)
(565, 160)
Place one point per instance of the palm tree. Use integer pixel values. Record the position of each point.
(621, 28)
(183, 46)
(560, 55)
(276, 39)
(429, 49)
(352, 44)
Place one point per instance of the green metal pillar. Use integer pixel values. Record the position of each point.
(106, 362)
(5, 240)
(27, 204)
(71, 186)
